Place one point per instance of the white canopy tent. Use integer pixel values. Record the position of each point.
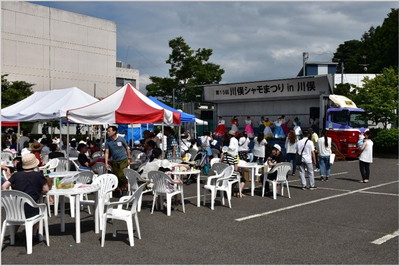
(47, 105)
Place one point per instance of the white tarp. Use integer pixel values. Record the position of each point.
(47, 105)
(201, 122)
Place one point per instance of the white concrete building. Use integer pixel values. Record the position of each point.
(125, 74)
(53, 49)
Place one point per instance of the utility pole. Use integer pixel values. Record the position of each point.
(342, 70)
(305, 57)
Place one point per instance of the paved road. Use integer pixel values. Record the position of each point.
(335, 224)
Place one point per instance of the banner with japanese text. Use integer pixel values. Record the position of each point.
(308, 86)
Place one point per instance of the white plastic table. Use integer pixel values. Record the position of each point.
(62, 174)
(78, 190)
(190, 172)
(253, 168)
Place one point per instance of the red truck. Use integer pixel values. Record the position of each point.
(344, 123)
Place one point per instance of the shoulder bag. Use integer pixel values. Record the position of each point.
(299, 157)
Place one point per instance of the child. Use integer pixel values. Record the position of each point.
(360, 141)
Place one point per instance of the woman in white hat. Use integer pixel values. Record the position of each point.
(29, 181)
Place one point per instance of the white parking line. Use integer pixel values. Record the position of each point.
(312, 202)
(385, 238)
(363, 192)
(316, 176)
(379, 193)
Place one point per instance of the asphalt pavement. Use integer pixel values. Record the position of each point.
(341, 222)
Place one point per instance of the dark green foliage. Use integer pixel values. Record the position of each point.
(13, 92)
(379, 45)
(385, 140)
(189, 69)
(380, 97)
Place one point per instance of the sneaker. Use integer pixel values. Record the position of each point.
(322, 178)
(303, 188)
(312, 188)
(326, 179)
(316, 170)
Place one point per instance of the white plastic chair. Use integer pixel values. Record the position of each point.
(13, 202)
(97, 154)
(83, 177)
(99, 168)
(7, 157)
(161, 180)
(214, 160)
(45, 158)
(224, 184)
(49, 167)
(108, 183)
(62, 165)
(133, 178)
(217, 172)
(282, 169)
(114, 211)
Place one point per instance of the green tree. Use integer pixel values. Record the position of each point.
(378, 47)
(14, 91)
(380, 96)
(345, 89)
(188, 71)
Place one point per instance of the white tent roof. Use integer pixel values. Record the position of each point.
(47, 105)
(201, 122)
(125, 106)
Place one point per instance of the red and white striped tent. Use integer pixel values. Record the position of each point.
(125, 106)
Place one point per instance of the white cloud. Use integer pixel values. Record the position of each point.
(250, 40)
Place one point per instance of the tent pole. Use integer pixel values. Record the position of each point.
(195, 129)
(60, 140)
(68, 146)
(162, 140)
(180, 140)
(132, 135)
(18, 134)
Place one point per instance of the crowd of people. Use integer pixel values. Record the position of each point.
(277, 129)
(158, 151)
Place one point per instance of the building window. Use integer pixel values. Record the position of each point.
(122, 82)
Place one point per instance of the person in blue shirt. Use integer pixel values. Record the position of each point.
(117, 148)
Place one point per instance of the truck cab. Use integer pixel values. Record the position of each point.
(344, 123)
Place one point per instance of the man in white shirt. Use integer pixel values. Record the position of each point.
(308, 160)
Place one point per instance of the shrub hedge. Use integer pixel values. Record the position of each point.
(385, 140)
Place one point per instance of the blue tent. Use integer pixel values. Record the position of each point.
(135, 132)
(185, 117)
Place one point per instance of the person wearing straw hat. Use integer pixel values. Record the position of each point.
(36, 150)
(29, 181)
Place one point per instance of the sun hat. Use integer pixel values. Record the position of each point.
(232, 132)
(37, 146)
(29, 161)
(276, 146)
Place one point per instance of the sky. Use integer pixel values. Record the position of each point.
(251, 41)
